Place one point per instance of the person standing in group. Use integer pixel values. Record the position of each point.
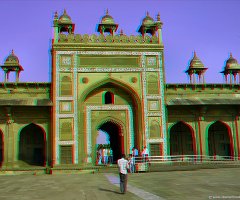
(100, 153)
(145, 154)
(123, 166)
(110, 156)
(135, 154)
(105, 153)
(131, 164)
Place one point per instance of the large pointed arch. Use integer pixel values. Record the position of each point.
(116, 83)
(135, 101)
(182, 139)
(219, 140)
(32, 145)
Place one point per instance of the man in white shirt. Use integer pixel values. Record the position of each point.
(123, 166)
(145, 154)
(105, 156)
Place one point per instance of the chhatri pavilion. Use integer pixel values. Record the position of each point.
(114, 83)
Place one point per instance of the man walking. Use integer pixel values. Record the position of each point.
(123, 166)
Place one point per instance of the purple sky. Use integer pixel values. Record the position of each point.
(210, 27)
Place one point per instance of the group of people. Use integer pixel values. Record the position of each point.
(135, 158)
(104, 155)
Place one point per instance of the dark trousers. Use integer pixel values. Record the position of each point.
(123, 182)
(111, 159)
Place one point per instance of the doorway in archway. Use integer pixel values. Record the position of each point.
(32, 145)
(181, 140)
(219, 141)
(114, 133)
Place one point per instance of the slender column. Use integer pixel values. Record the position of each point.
(160, 40)
(236, 126)
(235, 78)
(10, 139)
(6, 75)
(200, 135)
(190, 75)
(226, 78)
(203, 79)
(17, 75)
(199, 77)
(53, 110)
(194, 80)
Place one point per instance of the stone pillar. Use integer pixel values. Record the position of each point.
(201, 128)
(6, 72)
(200, 133)
(235, 78)
(17, 75)
(236, 120)
(194, 81)
(226, 79)
(160, 40)
(9, 138)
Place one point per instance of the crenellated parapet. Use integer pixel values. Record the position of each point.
(77, 38)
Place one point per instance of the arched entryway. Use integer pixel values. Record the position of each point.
(220, 140)
(114, 93)
(1, 148)
(116, 140)
(182, 140)
(32, 145)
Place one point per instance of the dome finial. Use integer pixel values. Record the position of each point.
(121, 32)
(12, 52)
(147, 13)
(65, 12)
(231, 55)
(55, 15)
(107, 11)
(195, 54)
(158, 17)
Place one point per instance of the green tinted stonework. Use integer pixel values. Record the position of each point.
(118, 81)
(22, 104)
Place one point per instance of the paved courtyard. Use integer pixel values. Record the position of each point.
(197, 184)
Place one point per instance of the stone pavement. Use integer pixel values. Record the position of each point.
(139, 192)
(60, 187)
(184, 185)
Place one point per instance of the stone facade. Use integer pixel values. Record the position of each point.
(115, 83)
(199, 107)
(24, 105)
(87, 68)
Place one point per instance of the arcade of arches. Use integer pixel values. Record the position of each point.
(219, 140)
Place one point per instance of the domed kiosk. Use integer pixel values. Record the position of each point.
(107, 24)
(232, 68)
(12, 64)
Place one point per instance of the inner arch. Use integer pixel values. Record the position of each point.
(115, 138)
